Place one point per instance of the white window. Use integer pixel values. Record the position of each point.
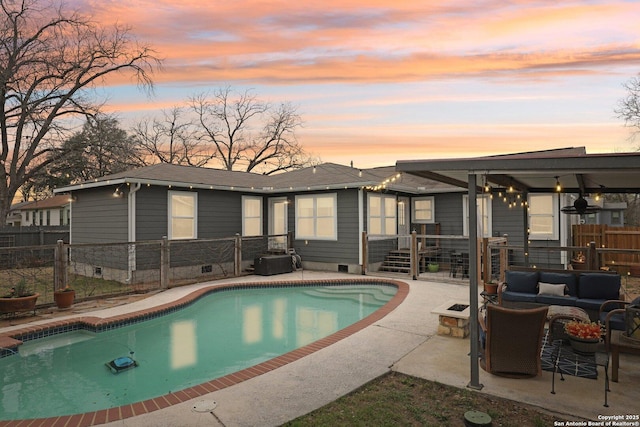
(484, 215)
(616, 218)
(423, 210)
(183, 207)
(382, 211)
(543, 219)
(316, 217)
(251, 216)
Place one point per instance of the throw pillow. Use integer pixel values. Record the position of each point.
(551, 289)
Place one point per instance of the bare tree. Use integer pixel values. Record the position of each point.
(628, 107)
(172, 139)
(248, 134)
(51, 59)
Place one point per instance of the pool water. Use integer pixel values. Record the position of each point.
(221, 333)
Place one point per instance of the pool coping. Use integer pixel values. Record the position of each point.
(12, 340)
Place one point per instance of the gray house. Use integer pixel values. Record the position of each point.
(324, 208)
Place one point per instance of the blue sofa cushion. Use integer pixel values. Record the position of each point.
(615, 322)
(599, 286)
(569, 279)
(518, 296)
(522, 281)
(556, 300)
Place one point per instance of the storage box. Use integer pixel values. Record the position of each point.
(268, 265)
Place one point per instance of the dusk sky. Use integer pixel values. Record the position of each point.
(379, 81)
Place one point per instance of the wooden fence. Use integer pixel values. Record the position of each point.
(615, 239)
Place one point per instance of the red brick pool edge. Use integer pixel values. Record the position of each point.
(11, 340)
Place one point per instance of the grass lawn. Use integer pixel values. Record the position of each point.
(396, 399)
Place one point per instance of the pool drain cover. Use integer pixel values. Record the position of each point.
(204, 406)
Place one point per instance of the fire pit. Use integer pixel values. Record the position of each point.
(453, 319)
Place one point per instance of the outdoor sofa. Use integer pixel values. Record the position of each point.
(587, 290)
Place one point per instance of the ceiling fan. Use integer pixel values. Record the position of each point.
(580, 207)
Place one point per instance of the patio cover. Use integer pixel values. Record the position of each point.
(530, 172)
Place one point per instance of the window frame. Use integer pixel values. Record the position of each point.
(555, 232)
(414, 210)
(260, 216)
(315, 218)
(194, 217)
(383, 217)
(484, 199)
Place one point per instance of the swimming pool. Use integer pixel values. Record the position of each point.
(210, 337)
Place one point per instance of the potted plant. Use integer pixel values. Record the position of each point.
(433, 267)
(583, 336)
(19, 299)
(490, 287)
(64, 297)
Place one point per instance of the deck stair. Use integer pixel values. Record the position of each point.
(397, 261)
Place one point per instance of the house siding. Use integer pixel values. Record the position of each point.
(344, 250)
(151, 213)
(98, 217)
(219, 213)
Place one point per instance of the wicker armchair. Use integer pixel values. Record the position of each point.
(513, 341)
(612, 316)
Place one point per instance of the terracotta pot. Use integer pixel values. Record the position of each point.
(491, 288)
(20, 304)
(64, 299)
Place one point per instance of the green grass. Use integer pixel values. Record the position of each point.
(399, 400)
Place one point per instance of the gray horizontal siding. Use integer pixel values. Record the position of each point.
(346, 248)
(98, 217)
(219, 213)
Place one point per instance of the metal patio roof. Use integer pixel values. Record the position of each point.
(535, 172)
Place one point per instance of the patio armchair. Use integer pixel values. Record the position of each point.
(612, 316)
(513, 340)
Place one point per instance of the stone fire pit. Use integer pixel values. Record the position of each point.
(453, 319)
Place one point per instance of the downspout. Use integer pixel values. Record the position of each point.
(131, 230)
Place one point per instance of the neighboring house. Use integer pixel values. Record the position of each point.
(52, 211)
(610, 213)
(14, 217)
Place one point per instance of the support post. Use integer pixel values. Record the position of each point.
(237, 255)
(473, 283)
(413, 256)
(165, 255)
(593, 263)
(60, 266)
(365, 254)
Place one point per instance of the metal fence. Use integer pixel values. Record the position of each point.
(417, 256)
(32, 236)
(444, 258)
(95, 270)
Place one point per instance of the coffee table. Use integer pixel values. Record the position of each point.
(599, 358)
(617, 345)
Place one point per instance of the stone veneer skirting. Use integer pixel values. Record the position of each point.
(11, 340)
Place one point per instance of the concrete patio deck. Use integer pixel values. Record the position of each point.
(404, 341)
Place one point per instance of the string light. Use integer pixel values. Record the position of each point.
(558, 186)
